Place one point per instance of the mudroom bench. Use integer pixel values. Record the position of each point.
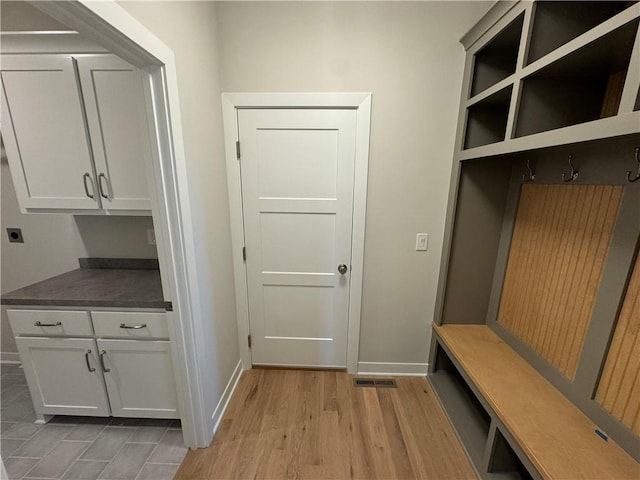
(511, 420)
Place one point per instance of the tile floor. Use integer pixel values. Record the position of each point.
(82, 448)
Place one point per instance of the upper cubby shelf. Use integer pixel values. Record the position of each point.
(497, 60)
(550, 73)
(558, 22)
(487, 120)
(581, 87)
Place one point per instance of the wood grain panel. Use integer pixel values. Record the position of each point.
(619, 387)
(560, 242)
(310, 424)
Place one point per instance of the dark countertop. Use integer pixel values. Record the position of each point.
(94, 287)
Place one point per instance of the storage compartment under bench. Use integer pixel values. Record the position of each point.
(513, 422)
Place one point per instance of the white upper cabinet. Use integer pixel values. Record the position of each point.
(44, 133)
(113, 100)
(75, 133)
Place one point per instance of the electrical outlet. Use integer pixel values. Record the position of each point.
(151, 236)
(422, 242)
(15, 235)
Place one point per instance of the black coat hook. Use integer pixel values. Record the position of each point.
(532, 175)
(571, 176)
(637, 177)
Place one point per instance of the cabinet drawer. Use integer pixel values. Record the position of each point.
(50, 322)
(130, 324)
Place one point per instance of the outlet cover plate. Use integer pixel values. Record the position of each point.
(15, 235)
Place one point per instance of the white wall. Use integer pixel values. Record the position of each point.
(189, 29)
(115, 237)
(409, 57)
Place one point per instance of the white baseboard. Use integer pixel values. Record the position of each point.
(9, 357)
(394, 369)
(218, 413)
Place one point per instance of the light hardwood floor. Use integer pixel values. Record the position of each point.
(317, 425)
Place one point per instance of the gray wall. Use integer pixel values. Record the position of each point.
(189, 29)
(409, 56)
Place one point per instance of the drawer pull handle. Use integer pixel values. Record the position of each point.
(86, 358)
(133, 327)
(104, 367)
(40, 324)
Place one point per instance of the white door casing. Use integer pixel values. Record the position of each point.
(297, 188)
(360, 105)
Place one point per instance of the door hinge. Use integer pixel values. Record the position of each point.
(244, 254)
(249, 340)
(238, 149)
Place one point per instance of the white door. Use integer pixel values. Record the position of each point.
(139, 378)
(64, 376)
(297, 169)
(112, 92)
(44, 133)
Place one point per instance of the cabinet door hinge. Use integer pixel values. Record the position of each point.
(249, 340)
(238, 149)
(244, 254)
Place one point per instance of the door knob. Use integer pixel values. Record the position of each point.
(342, 268)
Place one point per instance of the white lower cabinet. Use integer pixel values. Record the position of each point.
(136, 374)
(130, 375)
(63, 376)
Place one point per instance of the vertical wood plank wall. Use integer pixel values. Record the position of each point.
(619, 388)
(560, 243)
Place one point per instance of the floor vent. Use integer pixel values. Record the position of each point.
(375, 382)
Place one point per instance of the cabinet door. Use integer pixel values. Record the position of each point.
(139, 378)
(64, 376)
(44, 133)
(112, 91)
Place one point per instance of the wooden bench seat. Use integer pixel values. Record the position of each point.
(558, 439)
